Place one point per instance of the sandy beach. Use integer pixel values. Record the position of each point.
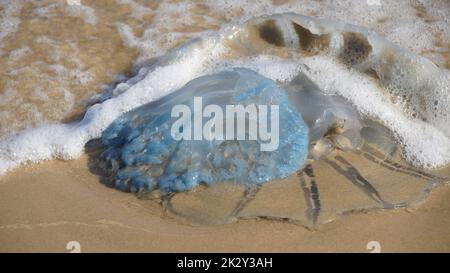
(47, 205)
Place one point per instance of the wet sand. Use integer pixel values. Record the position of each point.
(44, 206)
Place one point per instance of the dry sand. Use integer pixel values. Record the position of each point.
(44, 206)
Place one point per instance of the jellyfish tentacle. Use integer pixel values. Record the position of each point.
(311, 192)
(343, 167)
(166, 202)
(385, 162)
(249, 194)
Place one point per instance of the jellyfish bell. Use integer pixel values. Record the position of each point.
(144, 155)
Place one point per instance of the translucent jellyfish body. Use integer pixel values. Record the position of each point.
(145, 149)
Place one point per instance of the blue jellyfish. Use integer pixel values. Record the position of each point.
(144, 149)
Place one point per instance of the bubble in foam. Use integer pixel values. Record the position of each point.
(9, 21)
(71, 8)
(16, 54)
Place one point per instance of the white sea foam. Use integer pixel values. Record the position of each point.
(72, 8)
(9, 20)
